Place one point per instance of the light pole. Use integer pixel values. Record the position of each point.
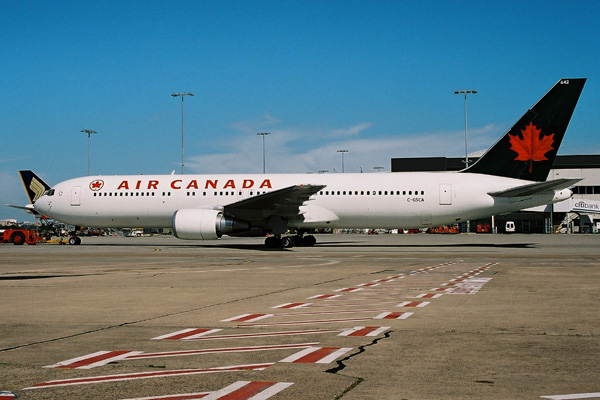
(182, 151)
(342, 151)
(89, 133)
(263, 134)
(466, 92)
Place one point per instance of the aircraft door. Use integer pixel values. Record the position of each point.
(445, 194)
(76, 196)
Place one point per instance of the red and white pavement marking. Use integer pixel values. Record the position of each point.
(292, 306)
(247, 318)
(244, 390)
(348, 290)
(317, 355)
(365, 331)
(240, 390)
(7, 395)
(394, 315)
(190, 333)
(429, 296)
(146, 375)
(471, 286)
(372, 284)
(183, 396)
(322, 321)
(265, 334)
(324, 296)
(93, 360)
(221, 350)
(412, 304)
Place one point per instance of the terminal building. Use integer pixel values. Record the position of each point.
(580, 214)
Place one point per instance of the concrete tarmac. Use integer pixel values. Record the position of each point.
(355, 317)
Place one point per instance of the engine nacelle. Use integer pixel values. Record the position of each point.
(198, 224)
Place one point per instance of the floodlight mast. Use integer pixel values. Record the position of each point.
(182, 135)
(466, 92)
(89, 133)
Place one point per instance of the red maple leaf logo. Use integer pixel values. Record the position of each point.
(531, 148)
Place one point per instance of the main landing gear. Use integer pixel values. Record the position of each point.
(287, 242)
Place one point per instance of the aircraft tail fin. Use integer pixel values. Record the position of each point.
(528, 149)
(33, 184)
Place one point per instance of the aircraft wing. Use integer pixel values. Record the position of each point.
(284, 203)
(535, 188)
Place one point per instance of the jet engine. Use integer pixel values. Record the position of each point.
(198, 224)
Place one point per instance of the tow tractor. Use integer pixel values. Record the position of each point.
(19, 236)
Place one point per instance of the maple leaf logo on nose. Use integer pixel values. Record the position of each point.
(531, 148)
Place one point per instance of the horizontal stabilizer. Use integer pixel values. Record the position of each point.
(28, 208)
(535, 188)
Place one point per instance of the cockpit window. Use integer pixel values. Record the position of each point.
(49, 192)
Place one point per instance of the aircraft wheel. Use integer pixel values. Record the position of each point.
(74, 240)
(309, 241)
(17, 238)
(287, 242)
(271, 242)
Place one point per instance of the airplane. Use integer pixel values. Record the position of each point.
(510, 176)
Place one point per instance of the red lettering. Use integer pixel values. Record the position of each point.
(248, 183)
(137, 186)
(266, 183)
(152, 184)
(229, 184)
(193, 184)
(213, 184)
(174, 182)
(123, 185)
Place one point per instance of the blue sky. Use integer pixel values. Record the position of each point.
(374, 77)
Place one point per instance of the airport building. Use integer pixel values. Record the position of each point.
(580, 214)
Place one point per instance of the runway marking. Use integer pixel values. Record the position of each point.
(292, 306)
(348, 290)
(573, 396)
(146, 375)
(190, 333)
(94, 360)
(264, 334)
(327, 312)
(412, 304)
(186, 396)
(471, 286)
(324, 296)
(365, 331)
(317, 355)
(322, 321)
(245, 390)
(376, 303)
(394, 315)
(372, 284)
(429, 296)
(247, 318)
(220, 350)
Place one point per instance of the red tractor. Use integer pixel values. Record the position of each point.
(19, 236)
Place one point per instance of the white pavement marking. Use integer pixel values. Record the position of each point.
(146, 375)
(190, 333)
(317, 355)
(93, 360)
(247, 318)
(246, 349)
(573, 396)
(228, 392)
(364, 331)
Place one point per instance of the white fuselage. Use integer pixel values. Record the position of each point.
(373, 200)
